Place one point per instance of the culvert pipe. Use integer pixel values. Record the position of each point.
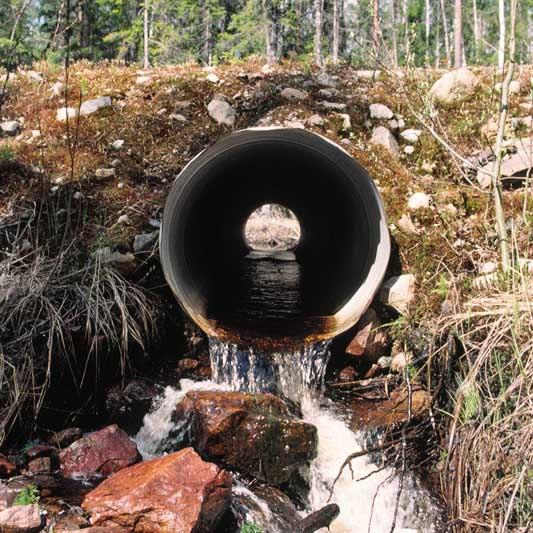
(322, 287)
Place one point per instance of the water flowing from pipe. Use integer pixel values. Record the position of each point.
(367, 494)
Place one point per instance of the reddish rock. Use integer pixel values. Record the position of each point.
(251, 433)
(20, 519)
(41, 465)
(348, 373)
(66, 437)
(370, 341)
(188, 364)
(96, 529)
(7, 468)
(176, 493)
(40, 450)
(99, 454)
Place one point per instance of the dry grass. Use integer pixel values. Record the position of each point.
(64, 317)
(487, 474)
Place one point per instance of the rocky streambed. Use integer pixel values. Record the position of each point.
(257, 448)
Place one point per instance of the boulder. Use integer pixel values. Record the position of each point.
(20, 519)
(409, 149)
(419, 200)
(64, 113)
(100, 453)
(515, 163)
(369, 341)
(328, 94)
(212, 77)
(398, 292)
(293, 95)
(453, 86)
(221, 112)
(10, 127)
(177, 117)
(176, 493)
(92, 106)
(381, 136)
(251, 433)
(381, 112)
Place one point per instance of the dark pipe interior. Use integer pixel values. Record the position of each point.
(204, 250)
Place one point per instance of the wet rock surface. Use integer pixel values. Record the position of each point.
(175, 493)
(99, 454)
(251, 433)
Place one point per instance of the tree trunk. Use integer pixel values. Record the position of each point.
(395, 33)
(437, 40)
(501, 44)
(207, 34)
(318, 32)
(146, 58)
(446, 33)
(458, 34)
(336, 31)
(476, 30)
(375, 27)
(496, 178)
(405, 13)
(270, 38)
(427, 31)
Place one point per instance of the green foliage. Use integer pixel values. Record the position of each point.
(250, 527)
(27, 496)
(442, 287)
(6, 154)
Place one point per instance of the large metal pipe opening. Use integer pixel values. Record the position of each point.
(314, 292)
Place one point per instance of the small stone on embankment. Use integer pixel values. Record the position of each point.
(221, 112)
(144, 241)
(381, 136)
(315, 120)
(293, 95)
(100, 453)
(327, 80)
(64, 113)
(398, 292)
(118, 144)
(10, 127)
(178, 492)
(370, 341)
(212, 77)
(454, 86)
(381, 112)
(419, 200)
(20, 519)
(411, 135)
(333, 106)
(92, 106)
(253, 434)
(105, 172)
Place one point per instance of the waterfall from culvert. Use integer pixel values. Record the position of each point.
(368, 494)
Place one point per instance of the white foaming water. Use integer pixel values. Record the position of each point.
(158, 424)
(367, 501)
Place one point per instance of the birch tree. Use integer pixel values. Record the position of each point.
(446, 33)
(458, 34)
(501, 43)
(146, 36)
(496, 173)
(318, 4)
(336, 31)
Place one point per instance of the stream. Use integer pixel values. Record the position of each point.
(368, 495)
